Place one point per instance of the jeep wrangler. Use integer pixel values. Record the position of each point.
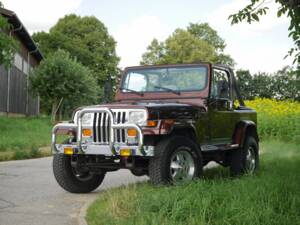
(167, 122)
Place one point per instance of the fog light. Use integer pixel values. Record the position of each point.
(132, 132)
(68, 150)
(125, 152)
(87, 132)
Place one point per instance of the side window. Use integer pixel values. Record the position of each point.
(220, 85)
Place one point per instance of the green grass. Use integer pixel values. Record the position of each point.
(271, 197)
(21, 138)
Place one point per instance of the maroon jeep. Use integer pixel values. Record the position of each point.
(167, 122)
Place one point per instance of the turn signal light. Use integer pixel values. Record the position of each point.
(125, 152)
(87, 132)
(68, 150)
(132, 132)
(151, 123)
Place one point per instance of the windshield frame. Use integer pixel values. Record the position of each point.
(152, 67)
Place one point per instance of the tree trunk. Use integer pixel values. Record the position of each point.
(53, 111)
(55, 107)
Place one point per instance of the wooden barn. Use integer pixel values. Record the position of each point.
(15, 99)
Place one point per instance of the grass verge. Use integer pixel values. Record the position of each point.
(22, 138)
(271, 197)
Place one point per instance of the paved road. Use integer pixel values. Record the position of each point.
(29, 194)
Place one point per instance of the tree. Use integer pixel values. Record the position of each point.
(204, 32)
(61, 78)
(86, 39)
(283, 84)
(184, 47)
(286, 84)
(253, 11)
(245, 83)
(196, 43)
(155, 53)
(8, 45)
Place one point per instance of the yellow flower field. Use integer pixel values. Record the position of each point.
(277, 119)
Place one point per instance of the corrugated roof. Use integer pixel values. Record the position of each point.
(22, 33)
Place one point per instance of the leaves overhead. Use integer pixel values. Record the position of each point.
(196, 43)
(256, 8)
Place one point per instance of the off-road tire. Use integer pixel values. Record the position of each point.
(159, 165)
(65, 177)
(237, 158)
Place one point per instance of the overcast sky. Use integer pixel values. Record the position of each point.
(134, 23)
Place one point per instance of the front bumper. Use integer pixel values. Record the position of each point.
(111, 149)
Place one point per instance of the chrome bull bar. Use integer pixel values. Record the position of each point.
(113, 125)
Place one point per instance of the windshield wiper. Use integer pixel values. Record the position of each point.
(133, 91)
(168, 89)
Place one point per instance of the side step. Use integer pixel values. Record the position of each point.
(207, 148)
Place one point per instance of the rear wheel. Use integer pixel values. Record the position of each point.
(246, 159)
(72, 179)
(176, 159)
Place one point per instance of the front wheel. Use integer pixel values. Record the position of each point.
(245, 159)
(176, 159)
(72, 179)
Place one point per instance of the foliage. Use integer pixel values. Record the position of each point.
(257, 8)
(271, 197)
(277, 119)
(61, 78)
(283, 84)
(196, 43)
(204, 32)
(8, 45)
(87, 40)
(155, 53)
(183, 47)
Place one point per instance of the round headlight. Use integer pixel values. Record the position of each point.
(137, 117)
(87, 119)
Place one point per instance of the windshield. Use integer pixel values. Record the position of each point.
(165, 79)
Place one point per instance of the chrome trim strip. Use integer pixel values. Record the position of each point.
(70, 126)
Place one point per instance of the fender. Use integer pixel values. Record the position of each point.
(242, 129)
(171, 126)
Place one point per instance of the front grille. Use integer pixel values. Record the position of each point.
(101, 127)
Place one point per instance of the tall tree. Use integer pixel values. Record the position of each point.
(8, 45)
(61, 78)
(184, 47)
(86, 39)
(198, 42)
(155, 53)
(204, 32)
(291, 8)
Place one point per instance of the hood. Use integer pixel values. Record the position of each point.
(159, 109)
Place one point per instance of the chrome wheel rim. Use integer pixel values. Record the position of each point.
(250, 160)
(182, 166)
